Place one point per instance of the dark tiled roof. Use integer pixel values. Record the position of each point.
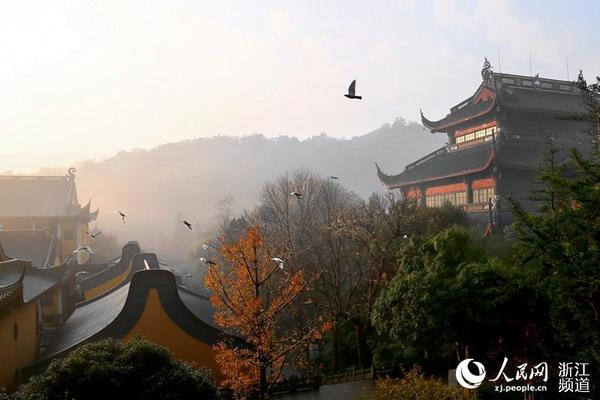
(36, 196)
(565, 104)
(549, 95)
(35, 281)
(34, 246)
(526, 152)
(530, 153)
(198, 304)
(442, 164)
(88, 320)
(468, 112)
(115, 314)
(10, 272)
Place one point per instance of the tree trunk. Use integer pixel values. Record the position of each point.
(361, 344)
(262, 395)
(335, 339)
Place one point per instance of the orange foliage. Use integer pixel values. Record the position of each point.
(249, 295)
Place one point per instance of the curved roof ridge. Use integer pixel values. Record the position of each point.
(128, 253)
(468, 109)
(442, 165)
(11, 290)
(116, 314)
(11, 269)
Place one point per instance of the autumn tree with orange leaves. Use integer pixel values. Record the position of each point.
(250, 293)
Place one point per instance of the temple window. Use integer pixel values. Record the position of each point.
(438, 200)
(478, 134)
(482, 195)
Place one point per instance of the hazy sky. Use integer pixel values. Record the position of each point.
(84, 79)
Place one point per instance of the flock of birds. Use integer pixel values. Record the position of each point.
(280, 263)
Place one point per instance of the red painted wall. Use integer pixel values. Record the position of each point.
(457, 187)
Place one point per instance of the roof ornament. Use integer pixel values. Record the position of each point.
(581, 82)
(486, 71)
(71, 172)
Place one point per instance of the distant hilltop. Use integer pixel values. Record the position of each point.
(191, 177)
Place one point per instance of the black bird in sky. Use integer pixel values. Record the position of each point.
(121, 214)
(94, 235)
(352, 90)
(298, 195)
(187, 224)
(333, 177)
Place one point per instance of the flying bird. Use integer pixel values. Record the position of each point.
(187, 224)
(405, 236)
(279, 261)
(94, 235)
(352, 90)
(333, 177)
(205, 246)
(298, 195)
(207, 262)
(121, 214)
(83, 248)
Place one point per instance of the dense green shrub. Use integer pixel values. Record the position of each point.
(110, 369)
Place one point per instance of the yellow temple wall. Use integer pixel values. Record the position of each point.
(22, 350)
(156, 326)
(106, 286)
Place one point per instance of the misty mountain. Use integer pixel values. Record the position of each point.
(188, 179)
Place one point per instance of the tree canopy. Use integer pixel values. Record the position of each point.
(137, 369)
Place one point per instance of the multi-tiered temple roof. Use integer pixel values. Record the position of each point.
(489, 115)
(41, 219)
(41, 196)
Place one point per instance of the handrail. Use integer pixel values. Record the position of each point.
(349, 376)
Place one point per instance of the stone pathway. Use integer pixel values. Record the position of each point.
(339, 391)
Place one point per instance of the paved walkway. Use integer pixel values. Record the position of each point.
(339, 391)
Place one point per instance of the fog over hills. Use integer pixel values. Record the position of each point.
(190, 178)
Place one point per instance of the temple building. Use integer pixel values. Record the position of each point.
(41, 219)
(497, 139)
(32, 302)
(150, 305)
(47, 312)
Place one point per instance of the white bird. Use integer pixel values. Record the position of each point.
(188, 276)
(298, 195)
(82, 273)
(205, 246)
(207, 262)
(83, 248)
(405, 236)
(279, 261)
(121, 214)
(352, 90)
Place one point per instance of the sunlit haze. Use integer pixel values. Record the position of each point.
(84, 80)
